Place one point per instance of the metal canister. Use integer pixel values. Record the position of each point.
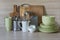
(16, 24)
(19, 24)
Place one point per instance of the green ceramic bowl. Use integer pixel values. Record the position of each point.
(47, 30)
(48, 20)
(46, 26)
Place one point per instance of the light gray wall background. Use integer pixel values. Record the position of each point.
(52, 7)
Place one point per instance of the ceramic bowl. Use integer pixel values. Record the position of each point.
(47, 30)
(47, 26)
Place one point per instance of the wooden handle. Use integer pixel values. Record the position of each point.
(23, 8)
(15, 8)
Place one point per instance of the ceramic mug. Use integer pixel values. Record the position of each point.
(25, 25)
(8, 23)
(48, 20)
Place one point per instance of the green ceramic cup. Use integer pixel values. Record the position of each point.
(48, 20)
(8, 23)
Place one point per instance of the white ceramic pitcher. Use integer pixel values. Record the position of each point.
(25, 25)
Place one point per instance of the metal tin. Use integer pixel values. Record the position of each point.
(16, 24)
(19, 25)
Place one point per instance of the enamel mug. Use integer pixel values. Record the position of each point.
(25, 25)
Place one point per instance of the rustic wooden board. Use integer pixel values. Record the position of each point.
(37, 10)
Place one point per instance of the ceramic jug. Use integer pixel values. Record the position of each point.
(25, 25)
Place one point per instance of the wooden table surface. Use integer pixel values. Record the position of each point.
(19, 35)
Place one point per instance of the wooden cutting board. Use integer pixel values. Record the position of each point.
(37, 10)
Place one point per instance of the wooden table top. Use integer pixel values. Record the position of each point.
(19, 35)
